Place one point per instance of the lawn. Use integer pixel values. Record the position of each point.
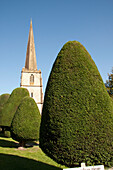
(31, 158)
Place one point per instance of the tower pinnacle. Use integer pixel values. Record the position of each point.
(31, 63)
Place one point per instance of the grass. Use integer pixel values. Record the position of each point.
(31, 158)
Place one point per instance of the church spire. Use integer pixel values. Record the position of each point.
(31, 63)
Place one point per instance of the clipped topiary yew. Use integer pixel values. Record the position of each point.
(26, 122)
(3, 100)
(77, 116)
(11, 106)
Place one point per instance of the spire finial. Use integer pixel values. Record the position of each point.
(31, 22)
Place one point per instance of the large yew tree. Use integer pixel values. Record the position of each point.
(77, 116)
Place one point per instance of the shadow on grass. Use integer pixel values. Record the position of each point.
(8, 144)
(11, 162)
(11, 144)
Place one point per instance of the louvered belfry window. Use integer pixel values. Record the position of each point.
(31, 79)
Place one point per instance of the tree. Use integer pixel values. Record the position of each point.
(3, 100)
(26, 122)
(11, 106)
(109, 84)
(77, 115)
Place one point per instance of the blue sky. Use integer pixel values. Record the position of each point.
(54, 23)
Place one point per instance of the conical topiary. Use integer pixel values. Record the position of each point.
(11, 106)
(77, 116)
(26, 122)
(3, 100)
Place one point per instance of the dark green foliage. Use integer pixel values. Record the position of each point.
(7, 134)
(109, 84)
(3, 100)
(11, 106)
(26, 122)
(77, 116)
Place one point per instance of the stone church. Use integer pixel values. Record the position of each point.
(31, 78)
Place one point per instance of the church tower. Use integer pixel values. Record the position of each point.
(31, 78)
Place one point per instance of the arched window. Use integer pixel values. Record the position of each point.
(31, 79)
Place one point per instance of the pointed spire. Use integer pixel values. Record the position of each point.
(31, 63)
